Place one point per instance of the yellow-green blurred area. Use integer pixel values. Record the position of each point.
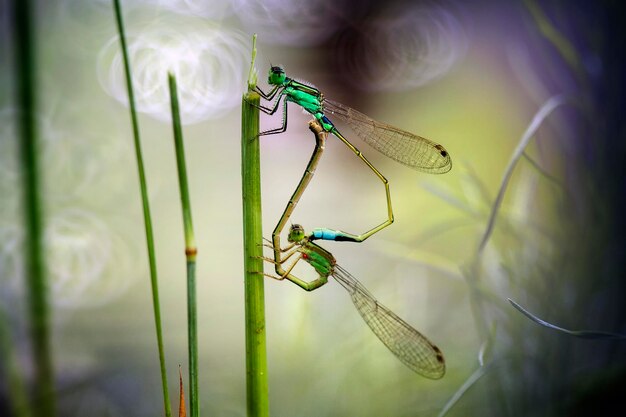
(470, 76)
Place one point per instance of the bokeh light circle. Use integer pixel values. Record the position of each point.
(294, 22)
(78, 251)
(214, 9)
(403, 49)
(210, 63)
(88, 264)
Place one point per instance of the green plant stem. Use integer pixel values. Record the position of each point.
(146, 208)
(39, 311)
(16, 389)
(256, 360)
(190, 250)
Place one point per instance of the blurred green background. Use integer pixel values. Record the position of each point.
(469, 76)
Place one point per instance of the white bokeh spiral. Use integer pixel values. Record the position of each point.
(88, 264)
(291, 22)
(210, 63)
(214, 9)
(405, 48)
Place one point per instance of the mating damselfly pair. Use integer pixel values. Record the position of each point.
(416, 152)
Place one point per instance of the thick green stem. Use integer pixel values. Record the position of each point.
(39, 311)
(256, 360)
(16, 388)
(146, 209)
(190, 250)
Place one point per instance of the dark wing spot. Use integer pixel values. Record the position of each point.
(441, 150)
(439, 354)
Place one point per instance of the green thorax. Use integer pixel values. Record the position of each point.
(319, 258)
(309, 98)
(306, 96)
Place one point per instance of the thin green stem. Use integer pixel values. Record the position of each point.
(39, 311)
(256, 360)
(190, 250)
(146, 208)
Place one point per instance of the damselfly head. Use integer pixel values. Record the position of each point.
(276, 75)
(296, 233)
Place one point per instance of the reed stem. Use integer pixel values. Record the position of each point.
(37, 290)
(190, 250)
(146, 209)
(256, 360)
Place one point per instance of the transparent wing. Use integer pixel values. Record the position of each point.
(409, 345)
(411, 150)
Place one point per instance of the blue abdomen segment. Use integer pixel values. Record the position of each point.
(324, 234)
(329, 234)
(325, 122)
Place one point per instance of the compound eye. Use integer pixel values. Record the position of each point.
(278, 70)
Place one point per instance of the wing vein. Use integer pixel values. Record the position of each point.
(411, 150)
(409, 345)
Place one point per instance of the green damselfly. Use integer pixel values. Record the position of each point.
(409, 345)
(411, 150)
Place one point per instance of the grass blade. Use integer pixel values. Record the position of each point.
(146, 209)
(256, 359)
(564, 47)
(39, 310)
(583, 334)
(540, 116)
(16, 388)
(190, 251)
(469, 382)
(483, 353)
